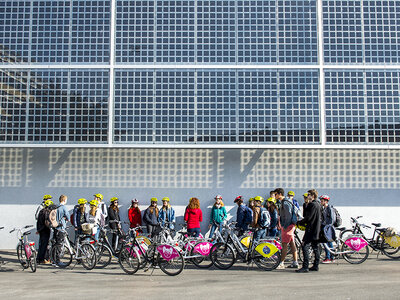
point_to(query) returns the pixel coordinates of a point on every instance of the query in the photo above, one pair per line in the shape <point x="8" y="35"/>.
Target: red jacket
<point x="193" y="217"/>
<point x="135" y="218"/>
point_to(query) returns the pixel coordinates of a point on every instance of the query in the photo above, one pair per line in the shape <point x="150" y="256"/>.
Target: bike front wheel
<point x="32" y="261"/>
<point x="266" y="263"/>
<point x="88" y="256"/>
<point x="104" y="256"/>
<point x="61" y="256"/>
<point x="355" y="257"/>
<point x="223" y="256"/>
<point x="22" y="256"/>
<point x="129" y="260"/>
<point x="173" y="266"/>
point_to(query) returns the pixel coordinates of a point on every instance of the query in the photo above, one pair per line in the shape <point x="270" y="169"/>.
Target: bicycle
<point x="265" y="253"/>
<point x="377" y="242"/>
<point x="26" y="251"/>
<point x="82" y="251"/>
<point x="166" y="256"/>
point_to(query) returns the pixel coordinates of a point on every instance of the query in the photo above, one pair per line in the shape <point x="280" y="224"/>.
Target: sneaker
<point x="302" y="270"/>
<point x="333" y="261"/>
<point x="294" y="265"/>
<point x="314" y="268"/>
<point x="281" y="266"/>
<point x="46" y="262"/>
<point x="327" y="261"/>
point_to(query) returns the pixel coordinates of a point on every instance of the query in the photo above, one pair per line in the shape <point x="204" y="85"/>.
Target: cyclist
<point x="114" y="219"/>
<point x="193" y="217"/>
<point x="103" y="207"/>
<point x="95" y="217"/>
<point x="62" y="219"/>
<point x="251" y="203"/>
<point x="218" y="215"/>
<point x="273" y="212"/>
<point x="44" y="233"/>
<point x="151" y="217"/>
<point x="260" y="233"/>
<point x="167" y="213"/>
<point x="312" y="222"/>
<point x="79" y="216"/>
<point x="328" y="219"/>
<point x="288" y="221"/>
<point x="42" y="205"/>
<point x="134" y="214"/>
<point x="241" y="222"/>
<point x="271" y="195"/>
<point x="290" y="196"/>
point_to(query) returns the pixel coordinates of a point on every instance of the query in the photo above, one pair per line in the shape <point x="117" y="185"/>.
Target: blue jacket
<point x="77" y="217"/>
<point x="328" y="218"/>
<point x="285" y="213"/>
<point x="167" y="216"/>
<point x="218" y="215"/>
<point x="241" y="217"/>
<point x="62" y="216"/>
<point x="274" y="219"/>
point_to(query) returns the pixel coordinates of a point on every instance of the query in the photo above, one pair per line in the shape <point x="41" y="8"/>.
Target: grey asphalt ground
<point x="377" y="278"/>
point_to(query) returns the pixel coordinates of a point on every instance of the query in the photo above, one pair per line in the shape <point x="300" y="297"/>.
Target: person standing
<point x="273" y="212"/>
<point x="312" y="222"/>
<point x="288" y="219"/>
<point x="62" y="219"/>
<point x="151" y="217"/>
<point x="218" y="215"/>
<point x="114" y="220"/>
<point x="134" y="214"/>
<point x="42" y="205"/>
<point x="167" y="214"/>
<point x="95" y="217"/>
<point x="44" y="233"/>
<point x="193" y="217"/>
<point x="79" y="216"/>
<point x="103" y="208"/>
<point x="257" y="209"/>
<point x="242" y="223"/>
<point x="327" y="228"/>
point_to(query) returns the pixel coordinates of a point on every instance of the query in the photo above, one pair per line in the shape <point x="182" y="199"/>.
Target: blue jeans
<point x="272" y="232"/>
<point x="327" y="253"/>
<point x="259" y="234"/>
<point x="194" y="232"/>
<point x="212" y="230"/>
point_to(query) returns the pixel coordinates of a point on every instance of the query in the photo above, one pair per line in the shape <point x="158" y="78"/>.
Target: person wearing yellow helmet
<point x="42" y="205"/>
<point x="251" y="202"/>
<point x="79" y="216"/>
<point x="44" y="231"/>
<point x="167" y="213"/>
<point x="103" y="207"/>
<point x="290" y="196"/>
<point x="273" y="212"/>
<point x="114" y="221"/>
<point x="258" y="209"/>
<point x="95" y="217"/>
<point x="150" y="216"/>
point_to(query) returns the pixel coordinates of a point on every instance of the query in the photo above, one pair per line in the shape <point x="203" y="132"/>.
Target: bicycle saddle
<point x="27" y="233"/>
<point x="376" y="224"/>
<point x="341" y="228"/>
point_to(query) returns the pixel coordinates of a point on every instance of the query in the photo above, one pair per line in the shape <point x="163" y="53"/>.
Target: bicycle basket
<point x="393" y="241"/>
<point x="87" y="228"/>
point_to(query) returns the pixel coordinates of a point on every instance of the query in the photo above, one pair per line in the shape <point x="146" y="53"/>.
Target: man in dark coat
<point x="312" y="221"/>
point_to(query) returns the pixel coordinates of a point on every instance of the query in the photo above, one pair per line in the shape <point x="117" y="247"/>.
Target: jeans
<point x="327" y="253"/>
<point x="44" y="237"/>
<point x="273" y="232"/>
<point x="259" y="234"/>
<point x="153" y="230"/>
<point x="213" y="227"/>
<point x="306" y="252"/>
<point x="194" y="232"/>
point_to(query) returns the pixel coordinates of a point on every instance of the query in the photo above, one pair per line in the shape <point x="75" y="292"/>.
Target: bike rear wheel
<point x="129" y="260"/>
<point x="200" y="261"/>
<point x="61" y="256"/>
<point x="22" y="256"/>
<point x="104" y="256"/>
<point x="355" y="257"/>
<point x="173" y="266"/>
<point x="266" y="263"/>
<point x="223" y="256"/>
<point x="388" y="250"/>
<point x="88" y="256"/>
<point x="32" y="261"/>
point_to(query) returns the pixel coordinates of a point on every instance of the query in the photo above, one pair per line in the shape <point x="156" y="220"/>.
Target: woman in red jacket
<point x="193" y="217"/>
<point x="134" y="214"/>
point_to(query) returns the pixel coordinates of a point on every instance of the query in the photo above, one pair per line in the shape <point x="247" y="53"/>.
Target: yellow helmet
<point x="99" y="196"/>
<point x="301" y="227"/>
<point x="48" y="202"/>
<point x="273" y="200"/>
<point x="113" y="199"/>
<point x="47" y="197"/>
<point x="94" y="203"/>
<point x="165" y="199"/>
<point x="291" y="193"/>
<point x="305" y="195"/>
<point x="251" y="199"/>
<point x="82" y="201"/>
<point x="154" y="199"/>
<point x="259" y="198"/>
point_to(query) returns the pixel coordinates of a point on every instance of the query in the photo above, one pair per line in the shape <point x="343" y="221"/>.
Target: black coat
<point x="113" y="215"/>
<point x="312" y="221"/>
<point x="40" y="224"/>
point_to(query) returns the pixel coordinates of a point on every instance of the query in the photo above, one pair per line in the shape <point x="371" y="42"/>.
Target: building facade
<point x="198" y="98"/>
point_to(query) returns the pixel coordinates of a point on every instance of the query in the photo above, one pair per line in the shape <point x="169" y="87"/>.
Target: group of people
<point x="279" y="215"/>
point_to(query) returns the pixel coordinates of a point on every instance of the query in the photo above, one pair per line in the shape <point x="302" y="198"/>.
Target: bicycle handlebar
<point x="25" y="227"/>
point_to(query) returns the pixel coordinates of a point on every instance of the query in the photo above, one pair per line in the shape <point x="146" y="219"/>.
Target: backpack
<point x="248" y="215"/>
<point x="51" y="217"/>
<point x="338" y="221"/>
<point x="265" y="219"/>
<point x="295" y="212"/>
